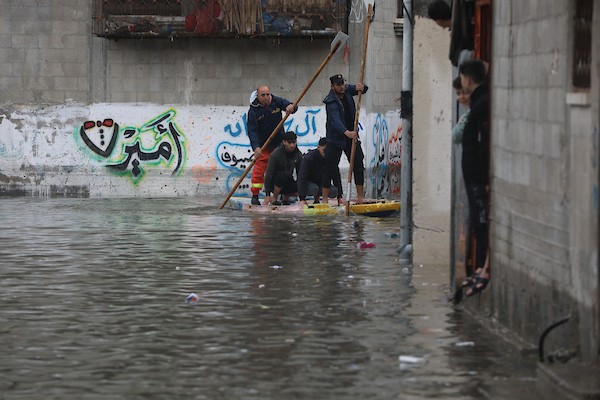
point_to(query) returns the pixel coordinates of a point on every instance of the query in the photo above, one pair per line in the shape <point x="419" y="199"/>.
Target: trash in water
<point x="276" y="267"/>
<point x="464" y="344"/>
<point x="192" y="298"/>
<point x="407" y="362"/>
<point x="410" y="359"/>
<point x="365" y="245"/>
<point x="392" y="234"/>
<point x="261" y="286"/>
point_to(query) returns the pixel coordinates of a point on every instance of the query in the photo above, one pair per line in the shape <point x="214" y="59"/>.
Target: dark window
<point x="582" y="46"/>
<point x="219" y="18"/>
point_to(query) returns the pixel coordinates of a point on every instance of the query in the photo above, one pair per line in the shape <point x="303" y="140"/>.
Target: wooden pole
<point x="278" y="127"/>
<point x="362" y="77"/>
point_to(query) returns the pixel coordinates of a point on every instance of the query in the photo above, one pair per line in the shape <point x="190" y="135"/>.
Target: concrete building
<point x="545" y="100"/>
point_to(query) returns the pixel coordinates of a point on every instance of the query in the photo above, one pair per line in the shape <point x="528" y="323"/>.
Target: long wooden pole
<point x="280" y="124"/>
<point x="362" y="76"/>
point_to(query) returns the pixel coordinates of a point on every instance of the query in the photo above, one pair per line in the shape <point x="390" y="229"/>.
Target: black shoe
<point x="285" y="203"/>
<point x="276" y="203"/>
<point x="255" y="201"/>
<point x="317" y="202"/>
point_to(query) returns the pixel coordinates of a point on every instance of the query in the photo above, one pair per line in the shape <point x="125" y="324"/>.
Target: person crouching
<point x="282" y="171"/>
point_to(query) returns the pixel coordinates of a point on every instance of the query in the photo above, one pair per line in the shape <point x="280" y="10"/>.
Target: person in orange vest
<point x="263" y="117"/>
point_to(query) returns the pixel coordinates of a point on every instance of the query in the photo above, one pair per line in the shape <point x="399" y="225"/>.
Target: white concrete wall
<point x="432" y="122"/>
<point x="194" y="150"/>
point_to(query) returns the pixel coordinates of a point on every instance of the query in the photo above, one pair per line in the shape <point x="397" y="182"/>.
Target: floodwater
<point x="93" y="306"/>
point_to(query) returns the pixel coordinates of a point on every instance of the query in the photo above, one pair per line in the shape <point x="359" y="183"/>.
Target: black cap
<point x="323" y="141"/>
<point x="335" y="79"/>
<point x="289" y="136"/>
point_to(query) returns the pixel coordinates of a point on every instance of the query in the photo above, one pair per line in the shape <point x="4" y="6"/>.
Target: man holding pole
<point x="263" y="117"/>
<point x="341" y="112"/>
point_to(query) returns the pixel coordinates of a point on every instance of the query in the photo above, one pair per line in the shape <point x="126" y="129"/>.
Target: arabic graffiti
<point x="309" y="124"/>
<point x="234" y="155"/>
<point x="158" y="142"/>
<point x="238" y="127"/>
<point x="356" y="14"/>
<point x="395" y="160"/>
<point x="385" y="159"/>
<point x="380" y="176"/>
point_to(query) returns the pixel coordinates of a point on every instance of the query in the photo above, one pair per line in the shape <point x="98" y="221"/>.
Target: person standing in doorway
<point x="341" y="112"/>
<point x="463" y="99"/>
<point x="476" y="167"/>
<point x="264" y="115"/>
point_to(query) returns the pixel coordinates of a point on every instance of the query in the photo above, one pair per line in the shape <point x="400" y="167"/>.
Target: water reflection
<point x="92" y="306"/>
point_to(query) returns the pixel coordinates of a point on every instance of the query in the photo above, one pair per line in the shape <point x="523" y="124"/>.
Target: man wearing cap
<point x="341" y="111"/>
<point x="310" y="177"/>
<point x="282" y="170"/>
<point x="264" y="115"/>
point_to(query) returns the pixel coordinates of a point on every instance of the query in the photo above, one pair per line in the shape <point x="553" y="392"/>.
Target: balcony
<point x="218" y="19"/>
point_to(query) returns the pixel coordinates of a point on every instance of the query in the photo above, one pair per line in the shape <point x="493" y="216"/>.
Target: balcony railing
<point x="222" y="18"/>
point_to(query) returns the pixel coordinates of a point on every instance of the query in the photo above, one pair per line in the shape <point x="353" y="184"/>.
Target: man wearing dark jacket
<point x="263" y="117"/>
<point x="282" y="170"/>
<point x="310" y="178"/>
<point x="341" y="112"/>
<point x="476" y="166"/>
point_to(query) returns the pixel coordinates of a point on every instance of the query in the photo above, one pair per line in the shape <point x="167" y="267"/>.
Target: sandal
<point x="478" y="285"/>
<point x="470" y="280"/>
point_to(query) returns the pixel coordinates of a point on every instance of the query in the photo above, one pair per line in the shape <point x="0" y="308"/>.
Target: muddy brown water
<point x="92" y="306"/>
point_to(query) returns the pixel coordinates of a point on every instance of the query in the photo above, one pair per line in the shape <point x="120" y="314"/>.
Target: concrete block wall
<point x="383" y="60"/>
<point x="44" y="51"/>
<point x="215" y="71"/>
<point x="432" y="147"/>
<point x="48" y="55"/>
<point x="543" y="212"/>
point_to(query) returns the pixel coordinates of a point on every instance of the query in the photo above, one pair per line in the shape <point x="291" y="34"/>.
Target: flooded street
<point x="93" y="306"/>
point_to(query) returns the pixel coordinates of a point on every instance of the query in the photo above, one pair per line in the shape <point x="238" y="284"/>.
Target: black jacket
<point x="476" y="139"/>
<point x="263" y="120"/>
<point x="340" y="115"/>
<point x="311" y="170"/>
<point x="281" y="161"/>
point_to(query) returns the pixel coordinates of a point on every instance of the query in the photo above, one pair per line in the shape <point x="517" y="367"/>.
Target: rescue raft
<point x="370" y="208"/>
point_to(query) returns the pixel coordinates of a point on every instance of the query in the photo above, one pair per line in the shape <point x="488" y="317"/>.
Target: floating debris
<point x="192" y="298"/>
<point x="365" y="245"/>
<point x="465" y="344"/>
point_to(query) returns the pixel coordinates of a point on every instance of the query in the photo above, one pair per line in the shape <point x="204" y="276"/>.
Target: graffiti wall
<point x="149" y="150"/>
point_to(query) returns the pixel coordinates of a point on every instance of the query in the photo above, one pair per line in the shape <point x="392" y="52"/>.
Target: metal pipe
<point x="406" y="218"/>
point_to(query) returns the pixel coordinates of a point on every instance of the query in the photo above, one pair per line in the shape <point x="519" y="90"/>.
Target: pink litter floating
<point x="365" y="245"/>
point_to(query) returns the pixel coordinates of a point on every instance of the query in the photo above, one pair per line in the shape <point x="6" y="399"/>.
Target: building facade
<point x="134" y="104"/>
<point x="544" y="204"/>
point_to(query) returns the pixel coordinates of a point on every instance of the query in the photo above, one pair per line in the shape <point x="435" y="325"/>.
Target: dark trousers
<point x="312" y="189"/>
<point x="332" y="169"/>
<point x="286" y="182"/>
<point x="478" y="219"/>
